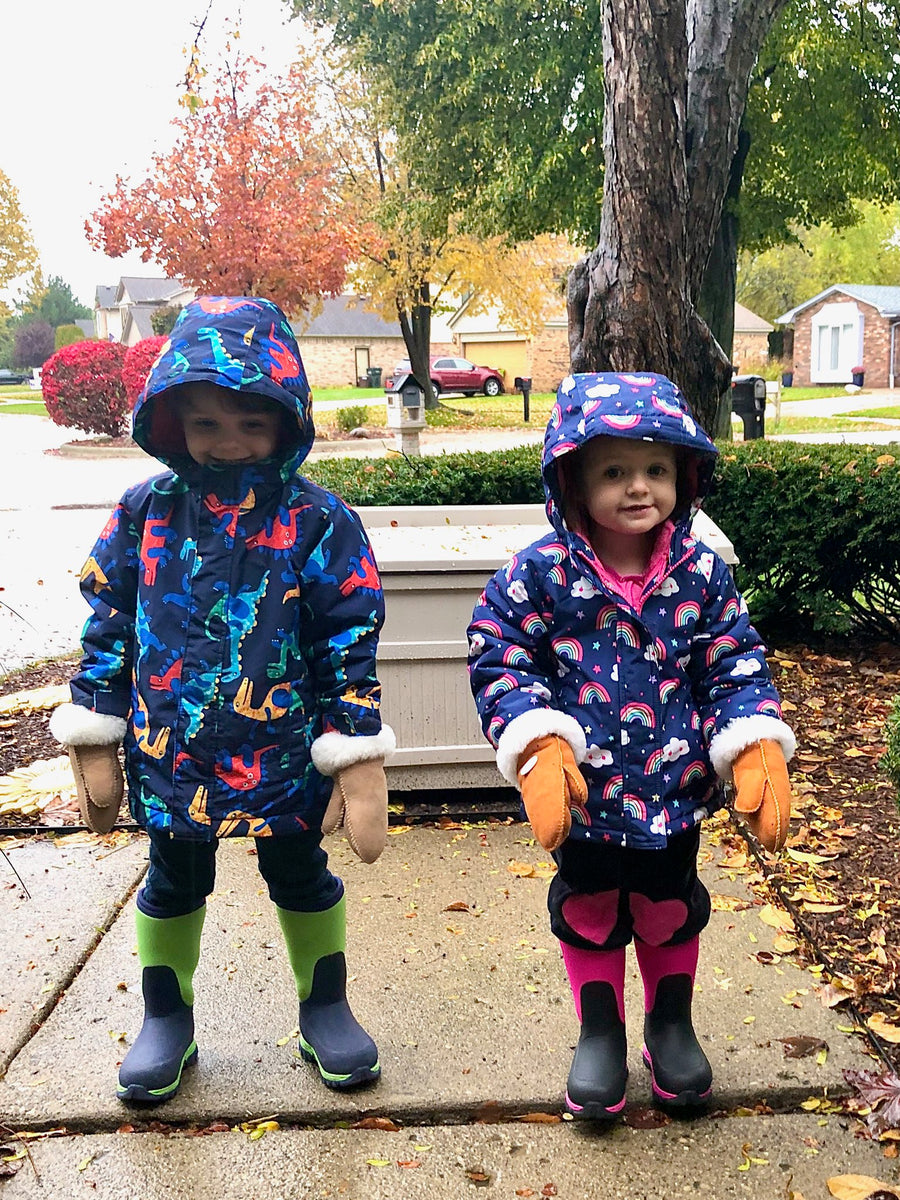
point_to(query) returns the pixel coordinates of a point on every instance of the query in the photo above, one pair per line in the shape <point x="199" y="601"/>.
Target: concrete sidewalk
<point x="455" y="973"/>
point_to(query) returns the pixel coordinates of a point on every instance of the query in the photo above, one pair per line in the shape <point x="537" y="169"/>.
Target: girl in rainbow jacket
<point x="618" y="676"/>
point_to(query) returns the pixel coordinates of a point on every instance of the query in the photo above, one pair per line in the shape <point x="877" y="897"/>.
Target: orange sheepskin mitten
<point x="763" y="792"/>
<point x="550" y="781"/>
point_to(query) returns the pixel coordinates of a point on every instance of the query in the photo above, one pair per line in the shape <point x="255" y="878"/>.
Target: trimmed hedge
<point x="816" y="528"/>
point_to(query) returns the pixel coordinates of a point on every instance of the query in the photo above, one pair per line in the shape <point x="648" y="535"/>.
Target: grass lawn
<point x="33" y="409"/>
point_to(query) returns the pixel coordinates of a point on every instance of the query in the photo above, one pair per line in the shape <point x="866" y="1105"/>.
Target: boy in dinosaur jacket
<point x="236" y="608"/>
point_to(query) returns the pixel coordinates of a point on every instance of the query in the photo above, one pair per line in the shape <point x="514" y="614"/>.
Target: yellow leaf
<point x="777" y="918"/>
<point x="521" y="869"/>
<point x="857" y="1187"/>
<point x="86" y="1162"/>
<point x="378" y="1162"/>
<point x="814" y="906"/>
<point x="880" y="1025"/>
<point x="34" y="699"/>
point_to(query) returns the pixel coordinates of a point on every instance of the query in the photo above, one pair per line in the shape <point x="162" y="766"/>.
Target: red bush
<point x="83" y="388"/>
<point x="138" y="361"/>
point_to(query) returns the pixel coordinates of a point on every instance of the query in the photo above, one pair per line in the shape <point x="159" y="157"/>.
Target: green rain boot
<point x="169" y="950"/>
<point x="330" y="1035"/>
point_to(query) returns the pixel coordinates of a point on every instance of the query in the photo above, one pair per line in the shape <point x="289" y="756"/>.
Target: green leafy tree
<point x="67" y="335"/>
<point x="772" y="281"/>
<point x="162" y="320"/>
<point x="54" y="303"/>
<point x="701" y="120"/>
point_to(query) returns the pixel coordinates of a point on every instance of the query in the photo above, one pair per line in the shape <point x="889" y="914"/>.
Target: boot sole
<point x="358" y="1078"/>
<point x="676" y="1101"/>
<point x="591" y="1111"/>
<point x="136" y="1093"/>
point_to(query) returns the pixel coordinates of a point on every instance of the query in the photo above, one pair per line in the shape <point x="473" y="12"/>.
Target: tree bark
<point x="675" y="87"/>
<point x="415" y="325"/>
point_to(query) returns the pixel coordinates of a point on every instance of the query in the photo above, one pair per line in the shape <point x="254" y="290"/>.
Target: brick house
<point x="750" y="347"/>
<point x="344" y="340"/>
<point x="846" y="326"/>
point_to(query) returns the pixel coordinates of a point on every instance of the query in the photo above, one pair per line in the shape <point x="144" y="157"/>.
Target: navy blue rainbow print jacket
<point x="657" y="698"/>
<point x="235" y="611"/>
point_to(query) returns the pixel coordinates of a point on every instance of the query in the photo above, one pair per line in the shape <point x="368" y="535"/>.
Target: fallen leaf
<point x="776" y="918"/>
<point x="860" y="1187"/>
<point x="802" y="1046"/>
<point x="457" y="906"/>
<point x="383" y="1123"/>
<point x="883" y="1028"/>
<point x="520" y="869"/>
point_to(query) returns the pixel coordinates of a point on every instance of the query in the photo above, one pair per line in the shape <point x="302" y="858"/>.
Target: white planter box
<point x="434" y="563"/>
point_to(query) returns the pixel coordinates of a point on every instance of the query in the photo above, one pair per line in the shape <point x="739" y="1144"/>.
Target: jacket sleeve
<point x="342" y="616"/>
<point x="511" y="669"/>
<point x="109" y="583"/>
<point x="738" y="703"/>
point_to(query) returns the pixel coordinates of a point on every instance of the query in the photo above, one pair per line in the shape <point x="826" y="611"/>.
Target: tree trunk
<point x="675" y="86"/>
<point x="415" y="325"/>
<point x="719" y="285"/>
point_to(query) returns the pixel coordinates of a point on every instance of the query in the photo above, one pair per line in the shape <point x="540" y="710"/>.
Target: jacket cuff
<point x="74" y="725"/>
<point x="333" y="751"/>
<point x="521" y="731"/>
<point x="742" y="732"/>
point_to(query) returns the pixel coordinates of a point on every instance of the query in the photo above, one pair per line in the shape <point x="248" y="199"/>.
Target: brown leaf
<point x="457" y="906"/>
<point x="540" y="1118"/>
<point x="802" y="1046"/>
<point x="383" y="1123"/>
<point x="881" y="1092"/>
<point x="645" y="1118"/>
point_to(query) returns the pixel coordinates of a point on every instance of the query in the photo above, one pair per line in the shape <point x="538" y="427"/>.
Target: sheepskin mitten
<point x="763" y="792"/>
<point x="359" y="802"/>
<point x="359" y="798"/>
<point x="550" y="782"/>
<point x="92" y="740"/>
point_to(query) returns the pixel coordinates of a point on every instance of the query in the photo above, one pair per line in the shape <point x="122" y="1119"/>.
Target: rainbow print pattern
<point x="637" y="676"/>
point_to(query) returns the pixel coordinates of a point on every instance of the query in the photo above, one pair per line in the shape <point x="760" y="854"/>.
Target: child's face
<point x="628" y="486"/>
<point x="216" y="434"/>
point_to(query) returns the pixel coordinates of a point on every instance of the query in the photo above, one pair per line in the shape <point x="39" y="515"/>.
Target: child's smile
<point x="216" y="435"/>
<point x="629" y="486"/>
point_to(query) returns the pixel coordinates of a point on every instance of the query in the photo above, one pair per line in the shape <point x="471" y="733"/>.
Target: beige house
<point x="122" y="312"/>
<point x="847" y="326"/>
<point x="750" y="348"/>
<point x="345" y="339"/>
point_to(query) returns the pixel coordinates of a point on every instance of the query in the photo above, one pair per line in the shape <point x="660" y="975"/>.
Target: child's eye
<point x="657" y="469"/>
<point x="612" y="473"/>
<point x="203" y="423"/>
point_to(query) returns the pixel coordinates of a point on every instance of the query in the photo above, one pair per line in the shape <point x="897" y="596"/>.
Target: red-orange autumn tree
<point x="246" y="200"/>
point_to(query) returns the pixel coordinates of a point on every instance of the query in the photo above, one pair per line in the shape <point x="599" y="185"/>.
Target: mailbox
<point x="748" y="401"/>
<point x="406" y="411"/>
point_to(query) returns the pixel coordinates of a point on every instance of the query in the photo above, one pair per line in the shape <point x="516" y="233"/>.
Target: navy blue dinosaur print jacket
<point x="656" y="698"/>
<point x="236" y="610"/>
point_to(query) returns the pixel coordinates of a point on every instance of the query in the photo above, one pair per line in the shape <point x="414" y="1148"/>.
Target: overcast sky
<point x="88" y="91"/>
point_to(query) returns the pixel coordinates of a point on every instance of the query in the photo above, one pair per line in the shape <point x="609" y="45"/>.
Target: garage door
<point x="510" y="357"/>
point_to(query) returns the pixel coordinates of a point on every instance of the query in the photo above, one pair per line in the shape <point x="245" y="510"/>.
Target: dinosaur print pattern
<point x="222" y="625"/>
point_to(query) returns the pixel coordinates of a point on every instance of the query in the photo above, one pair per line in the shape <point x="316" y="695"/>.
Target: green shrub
<point x="817" y="532"/>
<point x="481" y="477"/>
<point x="67" y="335"/>
<point x="816" y="528"/>
<point x="352" y="417"/>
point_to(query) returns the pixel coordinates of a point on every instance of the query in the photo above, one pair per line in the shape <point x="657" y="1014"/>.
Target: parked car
<point x="457" y="375"/>
<point x="8" y="376"/>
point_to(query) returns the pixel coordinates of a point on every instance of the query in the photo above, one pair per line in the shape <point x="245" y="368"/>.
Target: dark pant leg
<point x="669" y="905"/>
<point x="295" y="868"/>
<point x="180" y="876"/>
<point x="604" y="895"/>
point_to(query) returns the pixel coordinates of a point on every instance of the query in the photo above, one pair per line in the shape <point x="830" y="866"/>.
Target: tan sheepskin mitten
<point x="359" y="802"/>
<point x="92" y="741"/>
<point x="550" y="782"/>
<point x="763" y="792"/>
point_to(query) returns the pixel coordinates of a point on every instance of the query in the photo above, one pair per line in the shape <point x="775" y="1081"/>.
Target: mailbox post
<point x="406" y="412"/>
<point x="523" y="384"/>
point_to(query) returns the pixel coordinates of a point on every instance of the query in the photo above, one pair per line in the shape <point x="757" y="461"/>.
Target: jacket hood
<point x="639" y="406"/>
<point x="239" y="342"/>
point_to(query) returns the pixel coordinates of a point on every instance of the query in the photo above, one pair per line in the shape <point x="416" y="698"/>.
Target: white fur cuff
<point x="742" y="732"/>
<point x="332" y="751"/>
<point x="537" y="722"/>
<point x="75" y="725"/>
